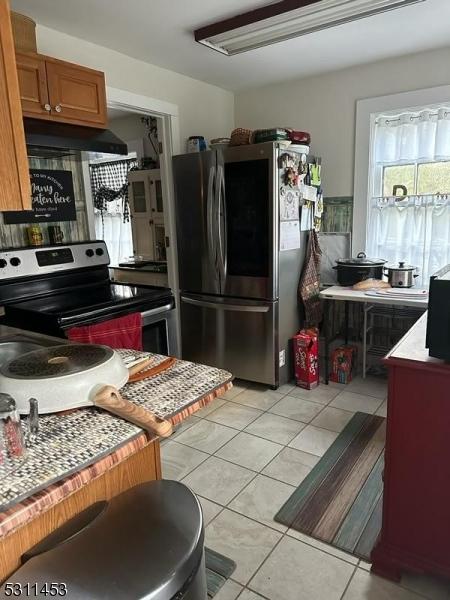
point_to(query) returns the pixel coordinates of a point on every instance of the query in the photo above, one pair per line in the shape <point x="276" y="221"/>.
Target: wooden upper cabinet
<point x="15" y="191"/>
<point x="77" y="94"/>
<point x="33" y="85"/>
<point x="56" y="90"/>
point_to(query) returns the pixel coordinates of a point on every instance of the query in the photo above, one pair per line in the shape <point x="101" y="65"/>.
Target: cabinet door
<point x="160" y="241"/>
<point x="143" y="238"/>
<point x="157" y="204"/>
<point x="15" y="192"/>
<point x="77" y="94"/>
<point x="139" y="196"/>
<point x="141" y="215"/>
<point x="33" y="85"/>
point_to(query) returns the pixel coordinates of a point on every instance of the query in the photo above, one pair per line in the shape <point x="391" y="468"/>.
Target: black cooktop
<point x="87" y="305"/>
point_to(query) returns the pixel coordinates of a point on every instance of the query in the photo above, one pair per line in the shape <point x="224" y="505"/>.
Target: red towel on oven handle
<point x="122" y="332"/>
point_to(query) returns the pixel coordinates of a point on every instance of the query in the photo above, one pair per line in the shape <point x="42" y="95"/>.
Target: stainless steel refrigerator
<point x="238" y="292"/>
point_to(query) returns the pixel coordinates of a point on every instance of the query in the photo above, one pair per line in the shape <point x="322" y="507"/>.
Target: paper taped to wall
<point x="307" y="217"/>
<point x="289" y="235"/>
<point x="309" y="193"/>
<point x="289" y="204"/>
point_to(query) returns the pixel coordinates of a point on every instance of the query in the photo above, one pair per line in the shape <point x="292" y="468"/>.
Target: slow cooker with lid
<point x="401" y="275"/>
<point x="354" y="270"/>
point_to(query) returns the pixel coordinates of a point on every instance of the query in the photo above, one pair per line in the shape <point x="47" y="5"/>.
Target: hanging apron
<point x="309" y="285"/>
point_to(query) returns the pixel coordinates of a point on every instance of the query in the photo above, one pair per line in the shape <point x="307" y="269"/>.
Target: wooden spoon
<point x="140" y="366"/>
<point x="141" y="374"/>
<point x="109" y="399"/>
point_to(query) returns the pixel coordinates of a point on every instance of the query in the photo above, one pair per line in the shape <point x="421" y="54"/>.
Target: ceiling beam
<point x="250" y="17"/>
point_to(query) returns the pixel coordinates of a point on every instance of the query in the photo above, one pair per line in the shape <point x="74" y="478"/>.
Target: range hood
<point x="47" y="139"/>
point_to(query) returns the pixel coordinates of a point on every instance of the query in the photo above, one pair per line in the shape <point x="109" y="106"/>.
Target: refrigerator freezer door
<point x="197" y="222"/>
<point x="237" y="335"/>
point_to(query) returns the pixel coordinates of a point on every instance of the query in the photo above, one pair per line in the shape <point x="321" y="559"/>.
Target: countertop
<point x="145" y="269"/>
<point x="74" y="448"/>
<point x="412" y="348"/>
<point x="337" y="292"/>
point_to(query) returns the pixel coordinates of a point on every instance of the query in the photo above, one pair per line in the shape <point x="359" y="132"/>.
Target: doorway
<point x="125" y="106"/>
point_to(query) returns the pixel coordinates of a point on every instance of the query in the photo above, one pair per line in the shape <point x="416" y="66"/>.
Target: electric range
<point x="50" y="289"/>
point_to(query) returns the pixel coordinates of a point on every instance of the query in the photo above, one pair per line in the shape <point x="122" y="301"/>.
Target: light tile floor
<point x="243" y="456"/>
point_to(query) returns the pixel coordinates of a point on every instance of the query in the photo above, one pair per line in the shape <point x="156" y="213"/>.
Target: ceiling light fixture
<point x="288" y="19"/>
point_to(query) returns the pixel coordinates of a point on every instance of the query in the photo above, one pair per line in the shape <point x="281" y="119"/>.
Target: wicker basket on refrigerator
<point x="241" y="137"/>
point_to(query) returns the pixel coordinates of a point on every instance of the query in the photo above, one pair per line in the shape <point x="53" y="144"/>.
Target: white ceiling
<point x="160" y="32"/>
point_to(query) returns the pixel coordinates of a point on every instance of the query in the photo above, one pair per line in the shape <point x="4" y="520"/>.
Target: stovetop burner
<point x="44" y="291"/>
<point x="84" y="305"/>
<point x="83" y="298"/>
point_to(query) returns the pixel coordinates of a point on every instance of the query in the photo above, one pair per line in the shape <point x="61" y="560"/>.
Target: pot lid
<point x="361" y="261"/>
<point x="400" y="266"/>
<point x="57" y="361"/>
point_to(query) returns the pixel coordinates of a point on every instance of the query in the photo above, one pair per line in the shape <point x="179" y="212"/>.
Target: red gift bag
<point x="343" y="362"/>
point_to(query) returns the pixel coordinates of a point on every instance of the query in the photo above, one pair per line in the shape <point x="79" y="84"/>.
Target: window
<point x="109" y="183"/>
<point x="419" y="178"/>
<point x="433" y="178"/>
<point x="402" y="175"/>
<point x="409" y="189"/>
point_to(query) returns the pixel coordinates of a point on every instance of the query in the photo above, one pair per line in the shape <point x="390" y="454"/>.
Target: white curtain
<point x="413" y="137"/>
<point x="115" y="232"/>
<point x="109" y="182"/>
<point x="415" y="229"/>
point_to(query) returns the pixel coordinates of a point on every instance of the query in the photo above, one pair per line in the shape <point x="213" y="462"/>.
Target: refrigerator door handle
<point x="218" y="210"/>
<point x="210" y="219"/>
<point x="223" y="204"/>
<point x="253" y="308"/>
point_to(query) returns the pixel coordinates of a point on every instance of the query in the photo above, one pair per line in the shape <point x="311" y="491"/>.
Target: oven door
<point x="158" y="330"/>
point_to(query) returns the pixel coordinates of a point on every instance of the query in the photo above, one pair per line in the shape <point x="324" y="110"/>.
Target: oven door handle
<point x="157" y="311"/>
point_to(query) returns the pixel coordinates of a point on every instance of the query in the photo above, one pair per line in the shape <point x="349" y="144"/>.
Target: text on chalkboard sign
<point x="52" y="199"/>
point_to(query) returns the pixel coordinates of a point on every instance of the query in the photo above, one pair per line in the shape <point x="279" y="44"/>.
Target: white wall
<point x="130" y="128"/>
<point x="325" y="106"/>
<point x="203" y="109"/>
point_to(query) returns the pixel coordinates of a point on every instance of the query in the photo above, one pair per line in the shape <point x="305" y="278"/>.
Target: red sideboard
<point x="415" y="534"/>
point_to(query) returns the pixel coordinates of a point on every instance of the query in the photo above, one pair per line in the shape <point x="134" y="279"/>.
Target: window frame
<point x="366" y="113"/>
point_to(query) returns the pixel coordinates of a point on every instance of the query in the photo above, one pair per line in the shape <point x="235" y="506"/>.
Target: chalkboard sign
<point x="52" y="199"/>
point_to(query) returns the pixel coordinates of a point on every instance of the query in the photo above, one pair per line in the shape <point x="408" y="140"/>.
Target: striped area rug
<point x="218" y="569"/>
<point x="340" y="501"/>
